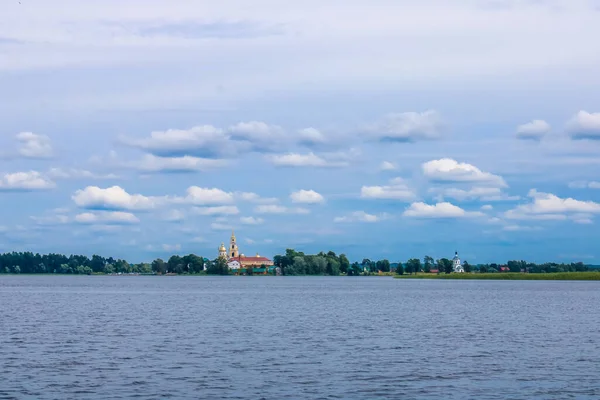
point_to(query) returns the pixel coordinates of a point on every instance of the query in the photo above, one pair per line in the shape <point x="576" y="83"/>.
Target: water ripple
<point x="297" y="338"/>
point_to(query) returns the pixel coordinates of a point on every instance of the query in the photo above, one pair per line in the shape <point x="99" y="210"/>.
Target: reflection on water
<point x="89" y="337"/>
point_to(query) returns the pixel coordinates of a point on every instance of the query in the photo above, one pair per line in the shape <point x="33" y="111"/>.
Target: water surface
<point x="90" y="337"/>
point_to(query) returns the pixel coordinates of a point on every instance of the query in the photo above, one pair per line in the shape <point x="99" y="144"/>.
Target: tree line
<point x="290" y="263"/>
<point x="444" y="265"/>
<point x="30" y="263"/>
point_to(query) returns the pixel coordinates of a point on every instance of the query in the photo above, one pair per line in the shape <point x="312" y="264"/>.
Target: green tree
<point x="344" y="263"/>
<point x="333" y="266"/>
<point x="354" y="269"/>
<point x="298" y="266"/>
<point x="193" y="264"/>
<point x="428" y="263"/>
<point x="467" y="267"/>
<point x="445" y="265"/>
<point x="218" y="267"/>
<point x="97" y="263"/>
<point x="383" y="265"/>
<point x="144" y="268"/>
<point x="159" y="266"/>
<point x="122" y="266"/>
<point x="400" y="269"/>
<point x="175" y="264"/>
<point x="316" y="265"/>
<point x="414" y="264"/>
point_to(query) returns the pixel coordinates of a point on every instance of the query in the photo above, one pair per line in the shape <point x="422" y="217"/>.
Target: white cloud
<point x="75" y="173"/>
<point x="487" y="207"/>
<point x="219" y="226"/>
<point x="107" y="217"/>
<point x="171" y="247"/>
<point x="520" y="228"/>
<point x="206" y="196"/>
<point x="57" y="219"/>
<point x="307" y="197"/>
<point x="449" y="170"/>
<point x="207" y="141"/>
<point x="174" y="216"/>
<point x="451" y="45"/>
<point x="547" y="206"/>
<point x="359" y="216"/>
<point x="517" y="215"/>
<point x="481" y="193"/>
<point x="201" y="141"/>
<point x="584" y="185"/>
<point x="397" y="190"/>
<point x="251" y="221"/>
<point x="584" y="125"/>
<point x="438" y="210"/>
<point x="152" y="163"/>
<point x="264" y="137"/>
<point x="217" y="210"/>
<point x="254" y="198"/>
<point x="407" y="127"/>
<point x="278" y="209"/>
<point x="34" y="146"/>
<point x="310" y="136"/>
<point x="25" y="181"/>
<point x="113" y="198"/>
<point x="582" y="218"/>
<point x="533" y="130"/>
<point x="304" y="160"/>
<point x="387" y="166"/>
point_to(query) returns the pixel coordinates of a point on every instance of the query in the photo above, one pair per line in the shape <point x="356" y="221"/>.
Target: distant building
<point x="222" y="251"/>
<point x="239" y="263"/>
<point x="456" y="265"/>
<point x="234" y="265"/>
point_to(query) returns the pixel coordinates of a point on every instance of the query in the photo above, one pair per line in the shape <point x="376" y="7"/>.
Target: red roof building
<point x="255" y="261"/>
<point x="232" y="255"/>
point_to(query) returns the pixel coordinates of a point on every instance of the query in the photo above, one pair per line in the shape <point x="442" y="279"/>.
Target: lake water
<point x="90" y="337"/>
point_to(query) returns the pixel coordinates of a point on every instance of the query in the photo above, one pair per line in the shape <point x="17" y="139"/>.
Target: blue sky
<point x="382" y="129"/>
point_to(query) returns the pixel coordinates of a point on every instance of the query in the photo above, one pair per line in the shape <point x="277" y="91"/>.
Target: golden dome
<point x="222" y="248"/>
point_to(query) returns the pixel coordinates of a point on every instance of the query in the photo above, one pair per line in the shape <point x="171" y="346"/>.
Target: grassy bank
<point x="559" y="276"/>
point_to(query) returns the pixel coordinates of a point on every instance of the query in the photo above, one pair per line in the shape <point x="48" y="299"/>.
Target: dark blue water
<point x="297" y="338"/>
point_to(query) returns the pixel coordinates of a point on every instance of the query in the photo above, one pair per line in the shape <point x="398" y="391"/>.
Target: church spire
<point x="233" y="248"/>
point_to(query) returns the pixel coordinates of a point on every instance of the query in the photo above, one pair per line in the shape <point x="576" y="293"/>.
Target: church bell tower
<point x="233" y="248"/>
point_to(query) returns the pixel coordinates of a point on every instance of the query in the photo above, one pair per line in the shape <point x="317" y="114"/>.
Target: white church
<point x="456" y="265"/>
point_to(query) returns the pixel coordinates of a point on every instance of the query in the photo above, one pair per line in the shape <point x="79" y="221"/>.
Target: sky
<point x="379" y="129"/>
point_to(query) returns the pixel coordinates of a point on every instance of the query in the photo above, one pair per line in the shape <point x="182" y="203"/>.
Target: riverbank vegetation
<point x="558" y="276"/>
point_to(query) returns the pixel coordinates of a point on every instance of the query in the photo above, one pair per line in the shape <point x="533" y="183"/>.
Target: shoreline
<point x="512" y="276"/>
